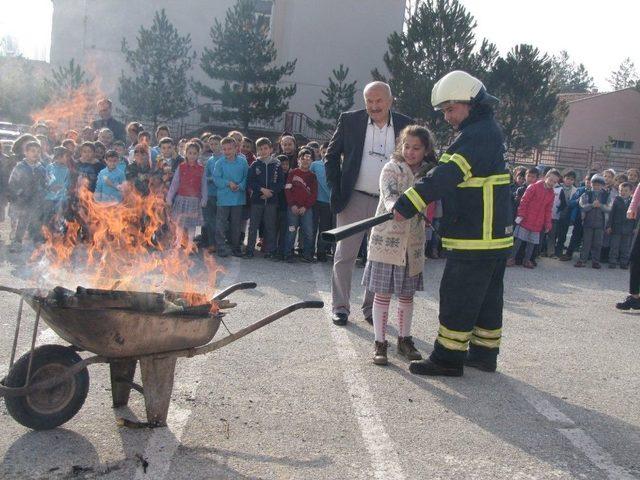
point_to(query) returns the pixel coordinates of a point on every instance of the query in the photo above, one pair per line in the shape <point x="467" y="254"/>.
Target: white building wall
<point x="321" y="34"/>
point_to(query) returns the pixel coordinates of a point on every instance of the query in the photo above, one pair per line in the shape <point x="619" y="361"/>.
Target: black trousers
<point x="471" y="301"/>
<point x="322" y="219"/>
<point x="634" y="271"/>
<point x="561" y="235"/>
<point x="576" y="236"/>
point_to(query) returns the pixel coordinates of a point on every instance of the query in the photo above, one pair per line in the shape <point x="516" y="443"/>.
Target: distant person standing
<point x="107" y="121"/>
<point x="361" y="145"/>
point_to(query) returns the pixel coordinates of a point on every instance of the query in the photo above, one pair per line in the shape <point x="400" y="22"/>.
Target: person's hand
<point x="232" y="185"/>
<point x="108" y="182"/>
<point x="266" y="192"/>
<point x="631" y="215"/>
<point x="294" y="209"/>
<point x="518" y="220"/>
<point x="397" y="216"/>
<point x="609" y="230"/>
<point x="596" y="204"/>
<point x="301" y="211"/>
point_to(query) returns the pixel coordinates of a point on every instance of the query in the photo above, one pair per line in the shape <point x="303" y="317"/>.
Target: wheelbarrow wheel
<point x="49" y="408"/>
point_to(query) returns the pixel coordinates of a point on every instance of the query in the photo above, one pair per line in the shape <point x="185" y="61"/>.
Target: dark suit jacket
<point x="344" y="154"/>
<point x="112" y="124"/>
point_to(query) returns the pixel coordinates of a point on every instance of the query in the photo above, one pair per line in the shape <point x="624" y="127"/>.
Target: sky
<point x="597" y="33"/>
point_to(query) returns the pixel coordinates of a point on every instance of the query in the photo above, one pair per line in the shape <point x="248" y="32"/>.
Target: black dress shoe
<point x="629" y="303"/>
<point x="427" y="367"/>
<point x="480" y="365"/>
<point x="340" y="319"/>
<point x="369" y="319"/>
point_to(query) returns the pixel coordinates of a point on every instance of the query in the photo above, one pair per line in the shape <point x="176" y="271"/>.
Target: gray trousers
<point x="620" y="247"/>
<point x="360" y="206"/>
<point x="591" y="243"/>
<point x="258" y="213"/>
<point x="228" y="218"/>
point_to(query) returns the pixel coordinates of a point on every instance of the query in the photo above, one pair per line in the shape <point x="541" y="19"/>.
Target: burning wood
<point x="130" y="244"/>
<point x="167" y="303"/>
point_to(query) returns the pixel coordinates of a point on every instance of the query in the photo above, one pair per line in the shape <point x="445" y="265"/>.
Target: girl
<point x="534" y="216"/>
<point x="396" y="249"/>
<point x="189" y="190"/>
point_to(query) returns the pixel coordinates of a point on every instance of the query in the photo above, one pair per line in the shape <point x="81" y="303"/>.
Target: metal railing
<point x="576" y="158"/>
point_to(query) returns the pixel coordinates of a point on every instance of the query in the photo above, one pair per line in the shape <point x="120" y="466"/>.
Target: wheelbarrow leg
<point x="157" y="382"/>
<point x="122" y="373"/>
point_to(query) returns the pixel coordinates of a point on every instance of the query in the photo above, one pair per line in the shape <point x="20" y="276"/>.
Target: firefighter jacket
<point x="473" y="183"/>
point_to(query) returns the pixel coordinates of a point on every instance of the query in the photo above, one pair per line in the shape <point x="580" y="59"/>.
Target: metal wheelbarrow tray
<point x="48" y="385"/>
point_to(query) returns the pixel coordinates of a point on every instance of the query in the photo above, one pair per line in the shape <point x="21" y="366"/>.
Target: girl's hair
<point x="422" y="133"/>
<point x="228" y="140"/>
<point x="288" y="135"/>
<point x="134" y="126"/>
<point x="90" y="145"/>
<point x="141" y="148"/>
<point x="621" y="178"/>
<point x="306" y="151"/>
<point x="192" y="145"/>
<point x="71" y="143"/>
<point x="554" y="171"/>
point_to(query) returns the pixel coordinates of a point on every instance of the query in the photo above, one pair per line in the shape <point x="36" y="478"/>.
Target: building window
<point x="621" y="145"/>
<point x="264" y="9"/>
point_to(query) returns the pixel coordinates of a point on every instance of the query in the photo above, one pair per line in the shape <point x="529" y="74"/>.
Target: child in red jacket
<point x="301" y="191"/>
<point x="534" y="216"/>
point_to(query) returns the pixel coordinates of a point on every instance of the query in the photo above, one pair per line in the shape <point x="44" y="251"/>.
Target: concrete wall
<point x="319" y="34"/>
<point x="592" y="121"/>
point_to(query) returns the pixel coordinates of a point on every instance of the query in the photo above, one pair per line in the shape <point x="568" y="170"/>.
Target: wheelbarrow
<point x="48" y="385"/>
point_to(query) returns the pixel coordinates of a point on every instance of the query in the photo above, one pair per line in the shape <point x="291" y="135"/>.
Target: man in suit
<point x="361" y="145"/>
<point x="107" y="121"/>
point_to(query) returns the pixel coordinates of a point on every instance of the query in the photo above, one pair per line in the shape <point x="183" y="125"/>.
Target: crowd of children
<point x="244" y="196"/>
<point x="594" y="213"/>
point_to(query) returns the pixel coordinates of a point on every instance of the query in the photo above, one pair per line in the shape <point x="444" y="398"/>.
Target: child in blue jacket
<point x="265" y="181"/>
<point x="110" y="179"/>
<point x="230" y="178"/>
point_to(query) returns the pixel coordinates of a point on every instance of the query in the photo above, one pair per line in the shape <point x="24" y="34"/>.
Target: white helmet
<point x="460" y="87"/>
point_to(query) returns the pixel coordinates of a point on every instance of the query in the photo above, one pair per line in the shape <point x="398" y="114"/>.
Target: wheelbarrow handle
<point x="210" y="347"/>
<point x="17" y="291"/>
<point x="232" y="288"/>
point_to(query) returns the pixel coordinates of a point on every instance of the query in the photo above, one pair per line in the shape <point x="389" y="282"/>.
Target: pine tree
<point x="439" y="37"/>
<point x="66" y="79"/>
<point x="626" y="76"/>
<point x="242" y="58"/>
<point x="338" y="97"/>
<point x="528" y="111"/>
<point x="159" y="89"/>
<point x="569" y="77"/>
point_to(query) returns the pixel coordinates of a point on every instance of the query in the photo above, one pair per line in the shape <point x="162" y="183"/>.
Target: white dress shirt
<point x="379" y="144"/>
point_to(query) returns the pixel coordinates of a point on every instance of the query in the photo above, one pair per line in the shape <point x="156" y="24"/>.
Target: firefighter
<point x="473" y="182"/>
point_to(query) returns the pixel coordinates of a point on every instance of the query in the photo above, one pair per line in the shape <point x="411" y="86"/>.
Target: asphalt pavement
<point x="301" y="398"/>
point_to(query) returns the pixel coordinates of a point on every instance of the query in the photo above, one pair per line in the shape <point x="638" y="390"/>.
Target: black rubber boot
<point x="427" y="367"/>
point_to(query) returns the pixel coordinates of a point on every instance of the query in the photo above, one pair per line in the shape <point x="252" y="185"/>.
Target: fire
<point x="71" y="110"/>
<point x="127" y="245"/>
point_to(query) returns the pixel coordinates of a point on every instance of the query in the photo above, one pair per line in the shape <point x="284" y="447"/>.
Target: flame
<point x="71" y="110"/>
<point x="127" y="245"/>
